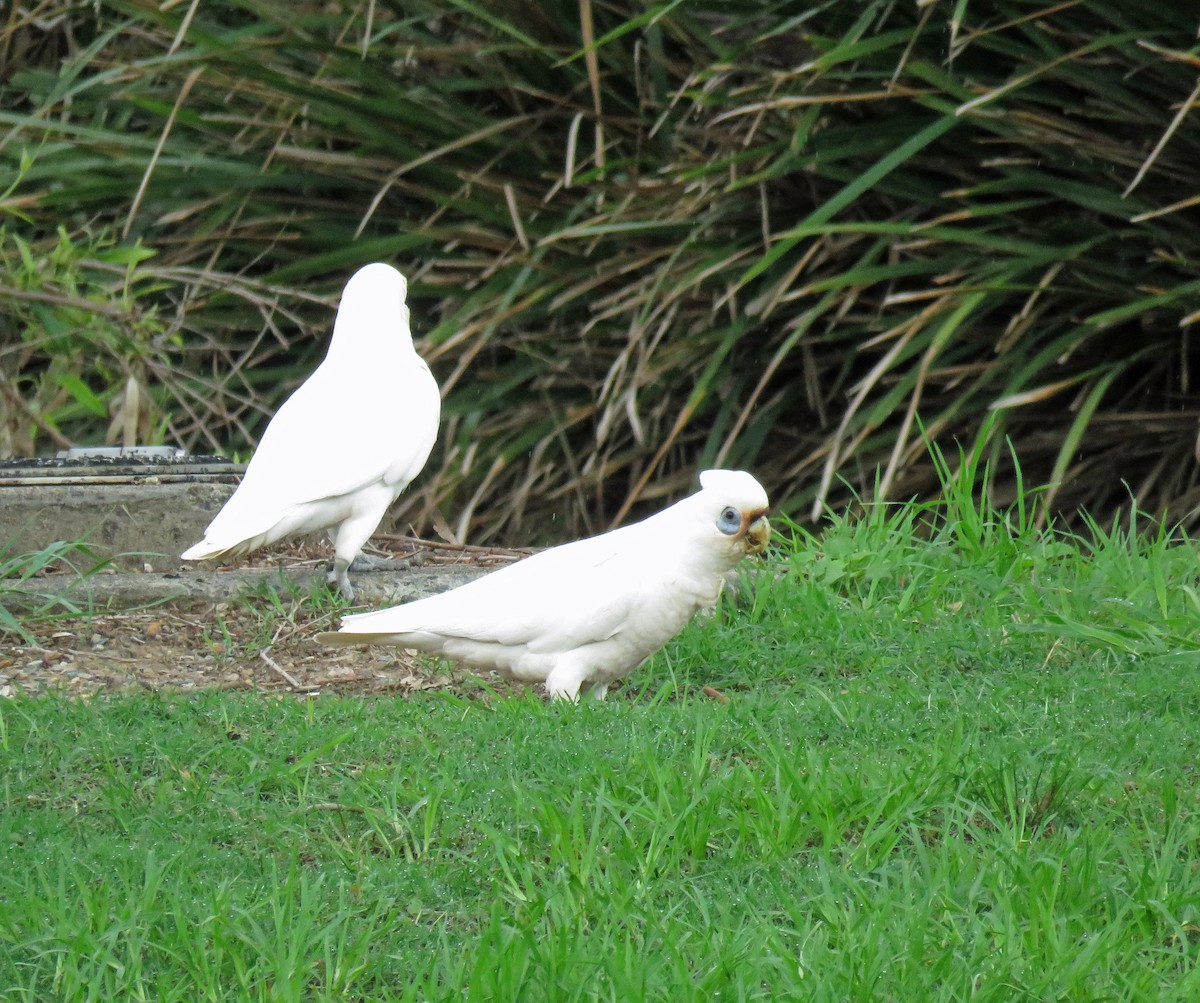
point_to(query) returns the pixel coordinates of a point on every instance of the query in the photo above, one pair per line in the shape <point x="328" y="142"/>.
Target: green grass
<point x="959" y="761"/>
<point x="20" y="607"/>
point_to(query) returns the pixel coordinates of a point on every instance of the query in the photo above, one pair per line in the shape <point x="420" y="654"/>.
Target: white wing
<point x="333" y="436"/>
<point x="309" y="454"/>
<point x="557" y="600"/>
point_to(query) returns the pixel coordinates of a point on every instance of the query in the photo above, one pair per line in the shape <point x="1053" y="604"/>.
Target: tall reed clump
<point x="641" y="240"/>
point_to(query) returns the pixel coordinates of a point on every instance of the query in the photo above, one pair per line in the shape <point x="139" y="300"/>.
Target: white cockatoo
<point x="579" y="616"/>
<point x="346" y="443"/>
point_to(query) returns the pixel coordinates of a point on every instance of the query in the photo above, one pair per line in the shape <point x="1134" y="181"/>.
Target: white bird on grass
<point x="579" y="616"/>
<point x="346" y="443"/>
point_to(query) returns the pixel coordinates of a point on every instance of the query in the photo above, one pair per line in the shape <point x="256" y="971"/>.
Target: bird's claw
<point x="341" y="584"/>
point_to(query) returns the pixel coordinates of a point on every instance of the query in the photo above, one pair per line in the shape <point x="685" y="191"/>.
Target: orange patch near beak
<point x="758" y="534"/>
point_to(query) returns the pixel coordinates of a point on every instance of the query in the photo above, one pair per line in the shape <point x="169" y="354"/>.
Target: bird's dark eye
<point x="730" y="520"/>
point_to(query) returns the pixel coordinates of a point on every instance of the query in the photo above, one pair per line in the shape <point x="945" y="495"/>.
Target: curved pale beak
<point x="758" y="535"/>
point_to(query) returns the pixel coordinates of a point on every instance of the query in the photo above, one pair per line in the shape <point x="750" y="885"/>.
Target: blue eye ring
<point x="729" y="521"/>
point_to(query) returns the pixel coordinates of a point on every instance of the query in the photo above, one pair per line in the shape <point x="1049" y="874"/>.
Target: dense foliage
<point x="640" y="239"/>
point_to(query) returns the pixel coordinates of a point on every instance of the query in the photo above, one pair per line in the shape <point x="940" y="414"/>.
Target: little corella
<point x="346" y="443"/>
<point x="579" y="616"/>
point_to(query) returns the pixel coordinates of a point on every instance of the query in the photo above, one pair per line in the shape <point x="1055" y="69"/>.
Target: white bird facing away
<point x="579" y="616"/>
<point x="346" y="443"/>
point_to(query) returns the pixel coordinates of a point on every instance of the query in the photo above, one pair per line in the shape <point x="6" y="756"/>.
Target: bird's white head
<point x="372" y="315"/>
<point x="730" y="515"/>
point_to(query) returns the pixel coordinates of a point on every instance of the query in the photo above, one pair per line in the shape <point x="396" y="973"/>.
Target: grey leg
<point x="339" y="578"/>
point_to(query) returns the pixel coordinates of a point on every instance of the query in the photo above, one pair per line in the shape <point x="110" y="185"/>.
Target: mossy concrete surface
<point x="141" y="526"/>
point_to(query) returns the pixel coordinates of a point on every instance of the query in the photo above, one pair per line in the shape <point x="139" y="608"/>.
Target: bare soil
<point x="245" y="642"/>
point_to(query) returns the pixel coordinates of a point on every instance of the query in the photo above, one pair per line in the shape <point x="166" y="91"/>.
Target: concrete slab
<point x="139" y="512"/>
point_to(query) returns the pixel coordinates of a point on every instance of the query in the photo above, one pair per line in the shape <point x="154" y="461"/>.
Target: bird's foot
<point x="340" y="582"/>
<point x="371" y="562"/>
